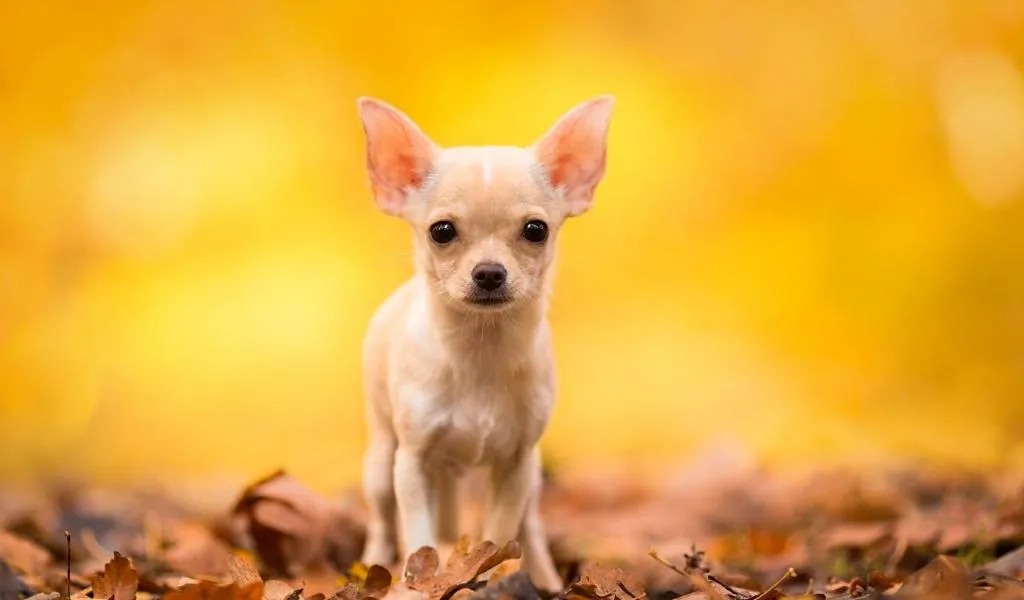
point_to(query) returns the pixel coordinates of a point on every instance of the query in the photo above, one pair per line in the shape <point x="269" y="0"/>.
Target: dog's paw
<point x="378" y="552"/>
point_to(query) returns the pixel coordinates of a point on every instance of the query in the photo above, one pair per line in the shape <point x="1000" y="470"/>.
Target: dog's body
<point x="458" y="362"/>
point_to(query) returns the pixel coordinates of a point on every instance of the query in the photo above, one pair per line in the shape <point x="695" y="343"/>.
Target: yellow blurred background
<point x="810" y="238"/>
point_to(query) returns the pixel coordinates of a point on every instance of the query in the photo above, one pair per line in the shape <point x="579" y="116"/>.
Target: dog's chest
<point x="483" y="423"/>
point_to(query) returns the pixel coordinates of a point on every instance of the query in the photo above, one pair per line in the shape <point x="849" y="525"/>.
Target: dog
<point x="458" y="364"/>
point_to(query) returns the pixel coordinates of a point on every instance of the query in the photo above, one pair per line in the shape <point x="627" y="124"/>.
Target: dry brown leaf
<point x="350" y="591"/>
<point x="195" y="550"/>
<point x="378" y="581"/>
<point x="372" y="586"/>
<point x="207" y="590"/>
<point x="401" y="591"/>
<point x="295" y="530"/>
<point x="242" y="570"/>
<point x="119" y="580"/>
<point x="881" y="582"/>
<point x="516" y="586"/>
<point x="279" y="590"/>
<point x="22" y="554"/>
<point x="506" y="569"/>
<point x="944" y="577"/>
<point x="1011" y="563"/>
<point x="602" y="582"/>
<point x="462" y="567"/>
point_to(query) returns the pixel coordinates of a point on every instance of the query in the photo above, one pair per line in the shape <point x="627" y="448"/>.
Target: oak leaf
<point x="461" y="569"/>
<point x="119" y="580"/>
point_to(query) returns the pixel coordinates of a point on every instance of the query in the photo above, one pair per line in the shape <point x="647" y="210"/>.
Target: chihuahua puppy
<point x="458" y="361"/>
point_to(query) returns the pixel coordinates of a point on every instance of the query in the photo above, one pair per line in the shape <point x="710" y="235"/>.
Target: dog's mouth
<point x="489" y="300"/>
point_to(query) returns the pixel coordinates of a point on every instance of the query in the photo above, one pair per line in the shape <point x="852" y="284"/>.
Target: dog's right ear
<point x="398" y="154"/>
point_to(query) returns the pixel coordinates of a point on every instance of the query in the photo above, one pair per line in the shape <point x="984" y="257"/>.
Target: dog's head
<point x="485" y="218"/>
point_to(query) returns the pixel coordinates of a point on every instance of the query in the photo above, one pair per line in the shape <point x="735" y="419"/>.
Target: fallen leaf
<point x="983" y="579"/>
<point x="349" y="591"/>
<point x="401" y="591"/>
<point x="207" y="590"/>
<point x="22" y="554"/>
<point x="461" y="569"/>
<point x="377" y="581"/>
<point x="365" y="584"/>
<point x="279" y="590"/>
<point x="602" y="582"/>
<point x="195" y="550"/>
<point x="516" y="586"/>
<point x="294" y="529"/>
<point x="118" y="581"/>
<point x="944" y="577"/>
<point x="242" y="571"/>
<point x="881" y="581"/>
<point x="1011" y="563"/>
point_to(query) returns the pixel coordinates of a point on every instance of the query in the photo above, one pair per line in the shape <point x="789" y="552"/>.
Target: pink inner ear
<point x="573" y="152"/>
<point x="574" y="161"/>
<point x="398" y="154"/>
<point x="398" y="170"/>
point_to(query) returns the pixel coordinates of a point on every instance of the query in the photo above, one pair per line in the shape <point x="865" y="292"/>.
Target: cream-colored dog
<point x="458" y="361"/>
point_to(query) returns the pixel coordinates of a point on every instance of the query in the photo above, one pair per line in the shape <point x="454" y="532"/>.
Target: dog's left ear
<point x="573" y="152"/>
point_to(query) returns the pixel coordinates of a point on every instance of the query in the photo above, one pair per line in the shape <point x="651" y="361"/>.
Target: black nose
<point x="489" y="276"/>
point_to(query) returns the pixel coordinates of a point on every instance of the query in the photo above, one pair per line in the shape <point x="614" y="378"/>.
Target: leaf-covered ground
<point x="722" y="530"/>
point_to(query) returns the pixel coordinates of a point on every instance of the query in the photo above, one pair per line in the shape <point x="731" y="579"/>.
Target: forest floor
<point x="723" y="529"/>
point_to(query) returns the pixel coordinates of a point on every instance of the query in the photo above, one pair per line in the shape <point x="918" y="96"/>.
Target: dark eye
<point x="535" y="231"/>
<point x="443" y="232"/>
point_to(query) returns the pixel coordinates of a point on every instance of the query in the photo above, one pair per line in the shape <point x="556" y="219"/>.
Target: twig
<point x="725" y="585"/>
<point x="787" y="575"/>
<point x="67" y="536"/>
<point x="654" y="554"/>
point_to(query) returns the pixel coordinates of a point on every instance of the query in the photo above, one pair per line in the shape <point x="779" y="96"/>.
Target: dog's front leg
<point x="511" y="485"/>
<point x="413" y="494"/>
<point x="446" y="509"/>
